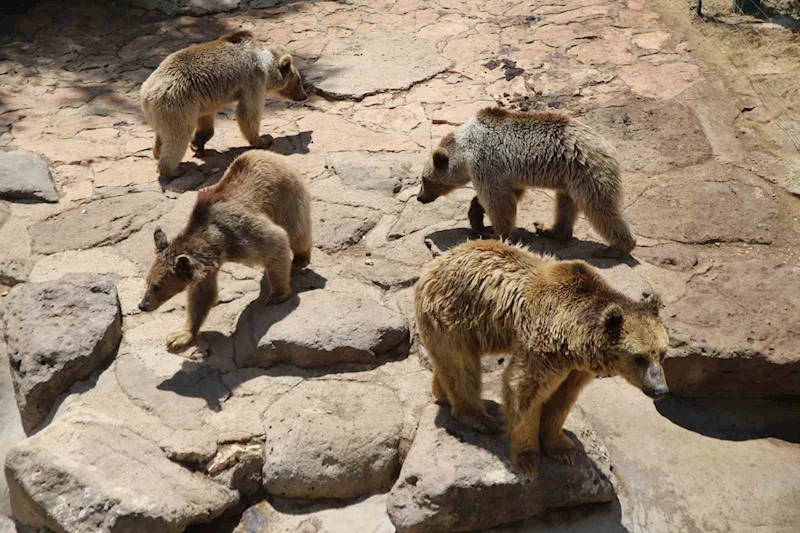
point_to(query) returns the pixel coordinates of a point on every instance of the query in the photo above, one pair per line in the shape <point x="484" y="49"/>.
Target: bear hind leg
<point x="205" y="130"/>
<point x="566" y="215"/>
<point x="458" y="380"/>
<point x="173" y="148"/>
<point x="609" y="222"/>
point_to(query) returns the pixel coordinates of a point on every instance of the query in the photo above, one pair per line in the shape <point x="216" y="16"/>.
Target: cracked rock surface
<point x="322" y="401"/>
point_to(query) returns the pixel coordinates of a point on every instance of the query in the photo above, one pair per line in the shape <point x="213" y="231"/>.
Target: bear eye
<point x="641" y="361"/>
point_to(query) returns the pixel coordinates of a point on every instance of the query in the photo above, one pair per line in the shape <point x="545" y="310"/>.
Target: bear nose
<point x="659" y="393"/>
<point x="142" y="307"/>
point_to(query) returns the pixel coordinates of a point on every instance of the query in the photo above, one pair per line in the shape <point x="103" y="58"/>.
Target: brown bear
<point x="188" y="88"/>
<point x="560" y="321"/>
<point x="504" y="152"/>
<point x="259" y="214"/>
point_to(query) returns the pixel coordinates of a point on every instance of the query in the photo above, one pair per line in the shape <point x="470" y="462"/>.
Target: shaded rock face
<point x="25" y="177"/>
<point x="332" y="439"/>
<point x="202" y="7"/>
<point x="89" y="477"/>
<point x="455" y="479"/>
<point x="366" y="64"/>
<point x="320" y="328"/>
<point x="57" y="333"/>
<point x="736" y="331"/>
<point x="97" y="223"/>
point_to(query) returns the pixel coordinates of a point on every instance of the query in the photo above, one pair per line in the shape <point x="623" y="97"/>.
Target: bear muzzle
<point x="654" y="383"/>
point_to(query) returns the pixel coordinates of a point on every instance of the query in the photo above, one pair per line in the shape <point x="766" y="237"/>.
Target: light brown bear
<point x="560" y="321"/>
<point x="259" y="215"/>
<point x="504" y="152"/>
<point x="188" y="88"/>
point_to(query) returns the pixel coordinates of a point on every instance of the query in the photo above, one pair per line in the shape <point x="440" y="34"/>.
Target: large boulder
<point x="88" y="477"/>
<point x="455" y="479"/>
<point x="332" y="439"/>
<point x="320" y="328"/>
<point x="365" y="64"/>
<point x="25" y="177"/>
<point x="735" y="332"/>
<point x="58" y="332"/>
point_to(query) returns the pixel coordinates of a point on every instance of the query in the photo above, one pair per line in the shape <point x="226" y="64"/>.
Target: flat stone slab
<point x="90" y="477"/>
<point x="320" y="328"/>
<point x="736" y="332"/>
<point x="383" y="175"/>
<point x="366" y="514"/>
<point x="332" y="439"/>
<point x="651" y="135"/>
<point x="339" y="226"/>
<point x="105" y="221"/>
<point x="370" y="63"/>
<point x="57" y="333"/>
<point x="455" y="479"/>
<point x="709" y="212"/>
<point x="25" y="177"/>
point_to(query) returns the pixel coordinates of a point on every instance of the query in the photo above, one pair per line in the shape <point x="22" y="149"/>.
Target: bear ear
<point x="612" y="321"/>
<point x="183" y="267"/>
<point x="285" y="63"/>
<point x="161" y="240"/>
<point x="440" y="159"/>
<point x="653" y="303"/>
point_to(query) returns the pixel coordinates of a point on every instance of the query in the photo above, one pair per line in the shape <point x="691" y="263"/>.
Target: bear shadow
<point x="443" y="240"/>
<point x="195" y="176"/>
<point x="735" y="419"/>
<point x="200" y="378"/>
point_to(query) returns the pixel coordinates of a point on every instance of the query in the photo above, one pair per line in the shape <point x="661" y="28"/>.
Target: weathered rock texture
<point x="320" y="328"/>
<point x="332" y="439"/>
<point x="57" y="333"/>
<point x="366" y="64"/>
<point x="25" y="177"/>
<point x="736" y="332"/>
<point x="88" y="477"/>
<point x="202" y="7"/>
<point x="97" y="223"/>
<point x="455" y="479"/>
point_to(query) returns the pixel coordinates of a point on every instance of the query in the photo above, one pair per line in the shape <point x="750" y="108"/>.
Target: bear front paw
<point x="179" y="339"/>
<point x="526" y="463"/>
<point x="276" y="298"/>
<point x="563" y="451"/>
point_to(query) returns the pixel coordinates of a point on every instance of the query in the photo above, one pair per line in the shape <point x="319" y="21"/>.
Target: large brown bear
<point x="560" y="321"/>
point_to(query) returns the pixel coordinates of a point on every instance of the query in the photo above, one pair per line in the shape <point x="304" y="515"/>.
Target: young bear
<point x="259" y="215"/>
<point x="504" y="152"/>
<point x="562" y="324"/>
<point x="188" y="88"/>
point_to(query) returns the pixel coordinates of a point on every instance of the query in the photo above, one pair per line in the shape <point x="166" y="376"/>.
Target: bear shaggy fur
<point x="560" y="321"/>
<point x="259" y="215"/>
<point x="504" y="152"/>
<point x="188" y="88"/>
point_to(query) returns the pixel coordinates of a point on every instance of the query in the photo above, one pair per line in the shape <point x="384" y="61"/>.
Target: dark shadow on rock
<point x="735" y="419"/>
<point x="193" y="176"/>
<point x="443" y="240"/>
<point x="196" y="380"/>
<point x="586" y="518"/>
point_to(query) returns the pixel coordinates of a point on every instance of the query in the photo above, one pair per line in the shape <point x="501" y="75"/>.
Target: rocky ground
<point x="316" y="415"/>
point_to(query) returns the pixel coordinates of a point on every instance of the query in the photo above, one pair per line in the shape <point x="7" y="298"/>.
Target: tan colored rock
<point x="455" y="115"/>
<point x="58" y="333"/>
<point x="320" y="328"/>
<point x="735" y="332"/>
<point x="332" y="439"/>
<point x="455" y="479"/>
<point x="403" y="118"/>
<point x="580" y="14"/>
<point x="653" y="40"/>
<point x="442" y="30"/>
<point x="600" y="51"/>
<point x="369" y="63"/>
<point x="89" y="477"/>
<point x="105" y="221"/>
<point x="330" y="133"/>
<point x="659" y="81"/>
<point x="472" y="48"/>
